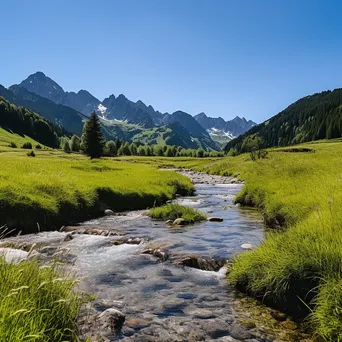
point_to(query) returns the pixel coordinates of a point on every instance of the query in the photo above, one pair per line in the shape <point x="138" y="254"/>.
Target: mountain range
<point x="122" y="118"/>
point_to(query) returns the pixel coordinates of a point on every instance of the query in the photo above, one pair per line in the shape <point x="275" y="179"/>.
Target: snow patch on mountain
<point x="102" y="109"/>
<point x="218" y="134"/>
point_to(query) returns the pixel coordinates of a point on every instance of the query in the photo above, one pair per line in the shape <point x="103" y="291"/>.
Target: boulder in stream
<point x="180" y="222"/>
<point x="158" y="253"/>
<point x="13" y="256"/>
<point x="202" y="263"/>
<point x="111" y="321"/>
<point x="108" y="212"/>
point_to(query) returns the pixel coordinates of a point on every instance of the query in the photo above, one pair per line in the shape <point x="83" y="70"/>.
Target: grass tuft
<point x="174" y="211"/>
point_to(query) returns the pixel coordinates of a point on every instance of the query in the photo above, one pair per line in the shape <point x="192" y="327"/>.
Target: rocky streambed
<point x="156" y="283"/>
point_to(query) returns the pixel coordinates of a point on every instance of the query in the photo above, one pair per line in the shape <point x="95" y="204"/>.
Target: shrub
<point x="13" y="145"/>
<point x="31" y="154"/>
<point x="232" y="152"/>
<point x="262" y="154"/>
<point x="27" y="145"/>
<point x="110" y="148"/>
<point x="38" y="147"/>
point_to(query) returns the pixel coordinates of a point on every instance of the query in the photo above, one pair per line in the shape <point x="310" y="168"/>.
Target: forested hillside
<point x="23" y="121"/>
<point x="314" y="117"/>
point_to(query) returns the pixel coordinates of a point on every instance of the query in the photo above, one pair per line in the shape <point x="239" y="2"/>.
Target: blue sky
<point x="249" y="58"/>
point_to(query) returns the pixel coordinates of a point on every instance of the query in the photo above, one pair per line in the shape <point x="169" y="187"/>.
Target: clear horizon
<point x="224" y="58"/>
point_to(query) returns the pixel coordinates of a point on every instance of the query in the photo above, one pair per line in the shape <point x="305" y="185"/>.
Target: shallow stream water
<point x="173" y="303"/>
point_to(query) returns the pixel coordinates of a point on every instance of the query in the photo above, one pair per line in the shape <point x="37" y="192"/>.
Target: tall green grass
<point x="299" y="268"/>
<point x="55" y="188"/>
<point x="174" y="211"/>
<point x="38" y="303"/>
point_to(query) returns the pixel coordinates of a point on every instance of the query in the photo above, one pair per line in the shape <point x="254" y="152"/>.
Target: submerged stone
<point x="215" y="219"/>
<point x="206" y="264"/>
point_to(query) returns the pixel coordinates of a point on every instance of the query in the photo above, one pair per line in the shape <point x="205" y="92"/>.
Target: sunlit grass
<point x="6" y="138"/>
<point x="303" y="192"/>
<point x="54" y="188"/>
<point x="37" y="303"/>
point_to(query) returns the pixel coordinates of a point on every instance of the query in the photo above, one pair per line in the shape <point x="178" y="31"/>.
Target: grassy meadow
<point x="298" y="266"/>
<point x="55" y="188"/>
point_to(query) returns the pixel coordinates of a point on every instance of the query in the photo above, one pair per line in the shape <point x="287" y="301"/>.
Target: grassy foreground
<point x="299" y="267"/>
<point x="37" y="303"/>
<point x="55" y="188"/>
<point x="174" y="211"/>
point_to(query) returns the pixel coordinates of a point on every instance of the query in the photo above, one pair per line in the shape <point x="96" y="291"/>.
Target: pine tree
<point x="75" y="143"/>
<point x="133" y="149"/>
<point x="93" y="140"/>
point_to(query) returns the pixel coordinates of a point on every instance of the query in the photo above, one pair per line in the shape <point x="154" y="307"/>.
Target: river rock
<point x="169" y="222"/>
<point x="216" y="328"/>
<point x="137" y="323"/>
<point x="68" y="237"/>
<point x="13" y="256"/>
<point x="158" y="253"/>
<point x="180" y="222"/>
<point x="201" y="313"/>
<point x="279" y="316"/>
<point x="49" y="250"/>
<point x="135" y="241"/>
<point x="100" y="232"/>
<point x="206" y="264"/>
<point x="215" y="219"/>
<point x="239" y="332"/>
<point x="247" y="246"/>
<point x="111" y="320"/>
<point x="108" y="212"/>
<point x="129" y="241"/>
<point x="289" y="325"/>
<point x="69" y="229"/>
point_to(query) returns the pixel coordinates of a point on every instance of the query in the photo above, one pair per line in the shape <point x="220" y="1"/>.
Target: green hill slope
<point x="314" y="117"/>
<point x="24" y="122"/>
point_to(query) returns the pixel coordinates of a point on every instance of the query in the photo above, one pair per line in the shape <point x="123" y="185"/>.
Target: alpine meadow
<point x="171" y="171"/>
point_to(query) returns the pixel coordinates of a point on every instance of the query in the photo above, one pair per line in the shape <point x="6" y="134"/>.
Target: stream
<point x="161" y="299"/>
